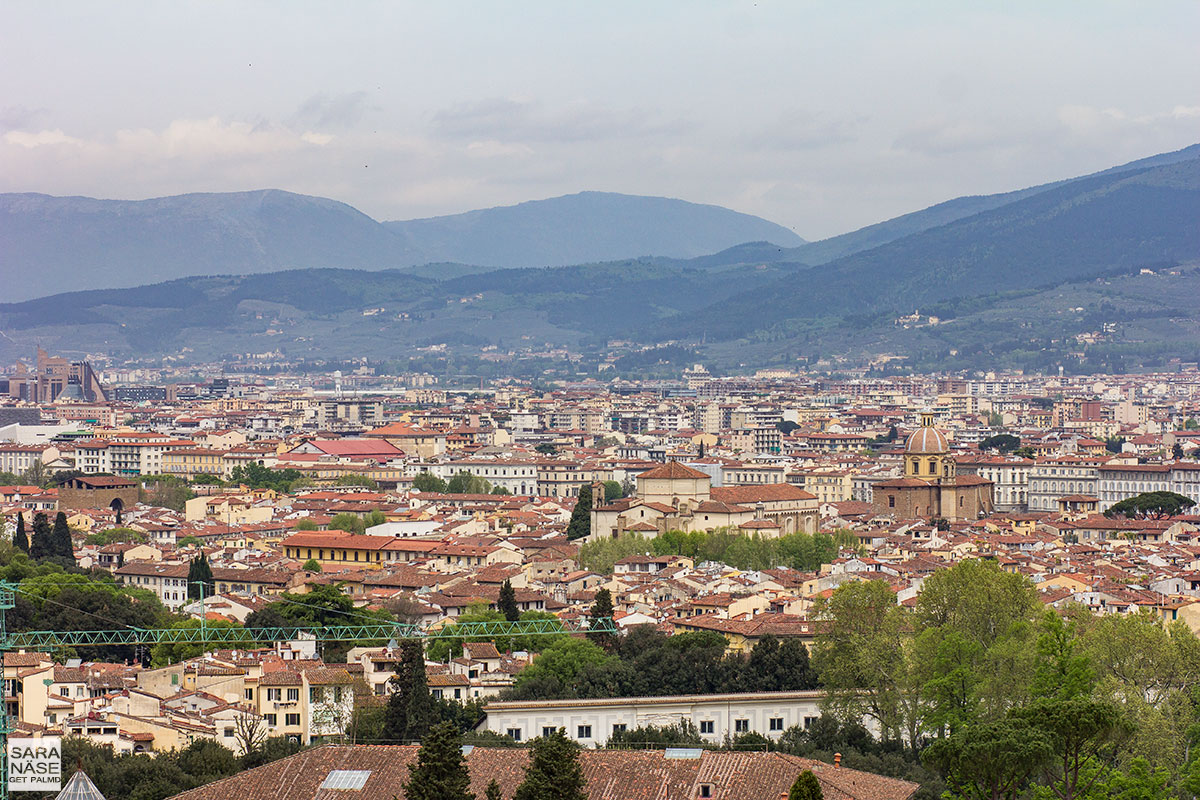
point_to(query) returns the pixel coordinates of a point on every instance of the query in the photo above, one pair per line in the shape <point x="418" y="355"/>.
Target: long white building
<point x="593" y="722"/>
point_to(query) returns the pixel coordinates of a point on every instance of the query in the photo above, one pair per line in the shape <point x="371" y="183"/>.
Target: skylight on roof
<point x="352" y="779"/>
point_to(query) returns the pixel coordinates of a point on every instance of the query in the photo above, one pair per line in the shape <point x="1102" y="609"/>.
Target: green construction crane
<point x="238" y="637"/>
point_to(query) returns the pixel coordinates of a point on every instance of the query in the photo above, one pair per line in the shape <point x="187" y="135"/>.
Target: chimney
<point x="837" y="760"/>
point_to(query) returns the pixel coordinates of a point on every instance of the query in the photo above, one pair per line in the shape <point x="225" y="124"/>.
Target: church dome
<point x="926" y="440"/>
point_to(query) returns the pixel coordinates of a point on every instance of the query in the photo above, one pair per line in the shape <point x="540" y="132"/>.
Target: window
<point x="809" y="722"/>
<point x="706" y="726"/>
<point x="776" y="723"/>
<point x="291" y="719"/>
<point x="548" y="730"/>
<point x="618" y="727"/>
<point x="583" y="732"/>
<point x="312" y="694"/>
<point x="274" y="695"/>
<point x="891" y="501"/>
<point x="514" y="734"/>
<point x="293" y="695"/>
<point x="271" y="719"/>
<point x="706" y="790"/>
<point x="741" y="725"/>
<point x="229" y="733"/>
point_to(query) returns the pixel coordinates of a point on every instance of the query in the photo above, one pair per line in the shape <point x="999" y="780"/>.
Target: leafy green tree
<point x="115" y="535"/>
<point x="563" y="661"/>
<point x="356" y="480"/>
<point x="440" y="772"/>
<point x="273" y="749"/>
<point x="200" y="575"/>
<point x="312" y="565"/>
<point x="410" y="710"/>
<point x="990" y="760"/>
<point x="547" y="449"/>
<point x="554" y="772"/>
<point x="427" y="482"/>
<point x="373" y="518"/>
<point x="500" y="490"/>
<point x="305" y="525"/>
<point x="613" y="491"/>
<point x="1150" y="505"/>
<point x="581" y="517"/>
<point x="806" y="787"/>
<point x="350" y="523"/>
<point x="507" y="603"/>
<point x="493" y="791"/>
<point x="866" y="660"/>
<point x="162" y="655"/>
<point x="189" y="541"/>
<point x="1002" y="442"/>
<point x="467" y="483"/>
<point x="20" y="540"/>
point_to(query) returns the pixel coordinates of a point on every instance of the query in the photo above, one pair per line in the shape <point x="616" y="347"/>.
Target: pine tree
<point x="60" y="540"/>
<point x="554" y="772"/>
<point x="581" y="518"/>
<point x="39" y="542"/>
<point x="507" y="603"/>
<point x="199" y="572"/>
<point x="441" y="769"/>
<point x="602" y="608"/>
<point x="806" y="787"/>
<point x="20" y="540"/>
<point x="410" y="710"/>
<point x="493" y="791"/>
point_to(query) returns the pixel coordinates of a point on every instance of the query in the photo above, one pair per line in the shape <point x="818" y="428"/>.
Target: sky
<point x="820" y="116"/>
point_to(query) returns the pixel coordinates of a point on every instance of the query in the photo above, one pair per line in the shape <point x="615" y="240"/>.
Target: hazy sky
<point x="820" y="116"/>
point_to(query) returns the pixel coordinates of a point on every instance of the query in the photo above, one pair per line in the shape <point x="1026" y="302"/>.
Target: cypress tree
<point x="410" y="710"/>
<point x="60" y="540"/>
<point x="581" y="518"/>
<point x="199" y="572"/>
<point x="554" y="772"/>
<point x="493" y="791"/>
<point x="508" y="602"/>
<point x="602" y="608"/>
<point x="20" y="540"/>
<point x="441" y="769"/>
<point x="806" y="787"/>
<point x="39" y="542"/>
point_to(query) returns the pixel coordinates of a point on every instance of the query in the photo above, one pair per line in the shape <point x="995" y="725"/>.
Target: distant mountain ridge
<point x="585" y="227"/>
<point x="1012" y="279"/>
<point x="53" y="244"/>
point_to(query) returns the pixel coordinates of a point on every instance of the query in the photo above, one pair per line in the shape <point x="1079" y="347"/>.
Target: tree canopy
<point x="1150" y="505"/>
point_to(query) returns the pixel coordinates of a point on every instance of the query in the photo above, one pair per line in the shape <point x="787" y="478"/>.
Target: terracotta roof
<point x="764" y="492"/>
<point x="674" y="471"/>
<point x="610" y="775"/>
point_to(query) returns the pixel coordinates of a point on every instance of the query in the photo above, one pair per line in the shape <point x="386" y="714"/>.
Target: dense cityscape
<point x="735" y="530"/>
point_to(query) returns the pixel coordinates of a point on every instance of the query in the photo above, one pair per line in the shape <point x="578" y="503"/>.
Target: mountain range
<point x="54" y="244"/>
<point x="1097" y="272"/>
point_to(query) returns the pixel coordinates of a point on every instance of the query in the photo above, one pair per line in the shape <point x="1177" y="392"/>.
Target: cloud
<point x="33" y="139"/>
<point x="801" y="129"/>
<point x="324" y="111"/>
<point x="941" y="136"/>
<point x="525" y="120"/>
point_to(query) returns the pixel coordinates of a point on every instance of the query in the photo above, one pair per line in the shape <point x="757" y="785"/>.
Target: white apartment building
<point x="1055" y="478"/>
<point x="593" y="722"/>
<point x="518" y="477"/>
